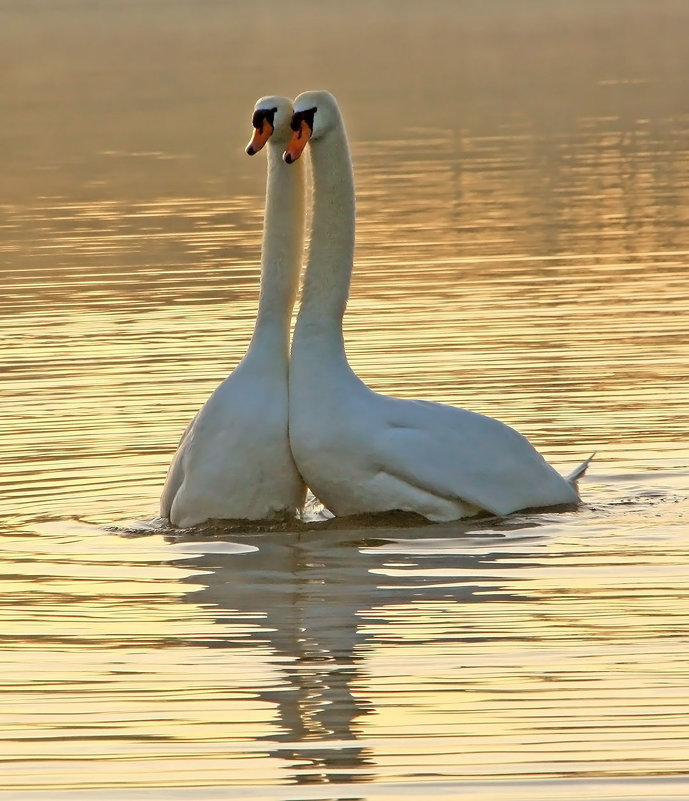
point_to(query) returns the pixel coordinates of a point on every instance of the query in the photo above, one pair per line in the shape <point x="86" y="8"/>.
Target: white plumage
<point x="360" y="451"/>
<point x="234" y="459"/>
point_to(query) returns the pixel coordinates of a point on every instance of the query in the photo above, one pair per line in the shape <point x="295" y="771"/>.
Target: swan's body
<point x="360" y="451"/>
<point x="234" y="459"/>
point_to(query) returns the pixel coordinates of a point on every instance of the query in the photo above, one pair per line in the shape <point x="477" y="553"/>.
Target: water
<point x="523" y="250"/>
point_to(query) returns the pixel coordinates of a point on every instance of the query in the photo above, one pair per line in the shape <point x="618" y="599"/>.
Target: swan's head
<point x="272" y="116"/>
<point x="315" y="113"/>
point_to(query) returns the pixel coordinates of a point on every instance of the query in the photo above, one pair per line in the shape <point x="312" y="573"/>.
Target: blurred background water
<point x="523" y="250"/>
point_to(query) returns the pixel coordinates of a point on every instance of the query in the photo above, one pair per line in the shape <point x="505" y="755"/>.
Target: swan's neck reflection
<point x="308" y="599"/>
<point x="307" y="595"/>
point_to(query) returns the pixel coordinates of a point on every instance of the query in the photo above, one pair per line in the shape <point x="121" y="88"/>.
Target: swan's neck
<point x="281" y="253"/>
<point x="331" y="251"/>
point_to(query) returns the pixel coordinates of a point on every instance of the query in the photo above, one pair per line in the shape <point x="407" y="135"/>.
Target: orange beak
<point x="260" y="137"/>
<point x="298" y="142"/>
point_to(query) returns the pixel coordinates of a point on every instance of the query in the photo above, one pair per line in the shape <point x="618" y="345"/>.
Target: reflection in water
<point x="308" y="599"/>
<point x="487" y="627"/>
<point x="314" y="597"/>
<point x="545" y="646"/>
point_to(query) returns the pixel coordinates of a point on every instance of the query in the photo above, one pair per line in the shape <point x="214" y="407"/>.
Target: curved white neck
<point x="281" y="252"/>
<point x="331" y="249"/>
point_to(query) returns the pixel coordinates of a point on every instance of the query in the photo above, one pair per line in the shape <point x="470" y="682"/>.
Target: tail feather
<point x="576" y="474"/>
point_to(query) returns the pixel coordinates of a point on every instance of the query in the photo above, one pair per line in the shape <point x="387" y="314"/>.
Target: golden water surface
<point x="523" y="250"/>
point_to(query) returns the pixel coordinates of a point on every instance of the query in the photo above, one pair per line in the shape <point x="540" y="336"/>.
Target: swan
<point x="360" y="451"/>
<point x="234" y="459"/>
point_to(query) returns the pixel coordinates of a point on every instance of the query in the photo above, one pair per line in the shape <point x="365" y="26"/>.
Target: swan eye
<point x="262" y="115"/>
<point x="303" y="116"/>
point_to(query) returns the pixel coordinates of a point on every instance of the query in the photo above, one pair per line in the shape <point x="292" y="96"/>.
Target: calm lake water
<point x="523" y="251"/>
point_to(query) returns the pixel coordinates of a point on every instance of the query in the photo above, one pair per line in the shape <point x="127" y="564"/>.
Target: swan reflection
<point x="322" y="600"/>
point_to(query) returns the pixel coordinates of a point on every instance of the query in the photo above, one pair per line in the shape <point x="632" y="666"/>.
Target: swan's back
<point x="363" y="452"/>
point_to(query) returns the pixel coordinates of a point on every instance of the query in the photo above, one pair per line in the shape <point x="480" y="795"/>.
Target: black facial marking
<point x="262" y="115"/>
<point x="303" y="116"/>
